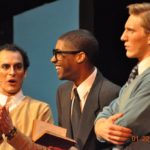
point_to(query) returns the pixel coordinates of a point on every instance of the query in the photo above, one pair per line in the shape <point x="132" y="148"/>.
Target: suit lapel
<point x="67" y="110"/>
<point x="90" y="111"/>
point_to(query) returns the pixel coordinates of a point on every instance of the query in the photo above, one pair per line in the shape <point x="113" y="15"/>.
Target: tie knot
<point x="133" y="74"/>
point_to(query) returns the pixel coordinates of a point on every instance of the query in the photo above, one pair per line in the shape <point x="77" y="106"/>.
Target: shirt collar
<point x="84" y="88"/>
<point x="15" y="98"/>
<point x="143" y="65"/>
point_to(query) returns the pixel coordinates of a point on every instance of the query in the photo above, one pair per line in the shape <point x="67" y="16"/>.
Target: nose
<point x="12" y="71"/>
<point x="123" y="36"/>
<point x="53" y="59"/>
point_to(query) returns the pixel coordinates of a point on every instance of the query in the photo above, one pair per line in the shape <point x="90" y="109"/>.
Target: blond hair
<point x="143" y="11"/>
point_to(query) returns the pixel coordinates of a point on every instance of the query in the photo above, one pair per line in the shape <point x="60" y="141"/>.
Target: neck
<point x="84" y="74"/>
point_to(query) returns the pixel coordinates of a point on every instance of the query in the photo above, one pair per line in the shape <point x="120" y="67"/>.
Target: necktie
<point x="133" y="74"/>
<point x="76" y="113"/>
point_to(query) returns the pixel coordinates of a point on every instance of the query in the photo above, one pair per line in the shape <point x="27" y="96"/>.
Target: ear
<point x="80" y="57"/>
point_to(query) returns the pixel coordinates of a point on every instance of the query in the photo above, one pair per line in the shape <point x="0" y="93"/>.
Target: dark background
<point x="104" y="18"/>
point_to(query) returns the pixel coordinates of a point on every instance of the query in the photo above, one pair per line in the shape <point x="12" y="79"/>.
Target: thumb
<point x="115" y="117"/>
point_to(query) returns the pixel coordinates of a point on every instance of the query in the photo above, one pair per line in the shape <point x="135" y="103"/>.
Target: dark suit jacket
<point x="101" y="94"/>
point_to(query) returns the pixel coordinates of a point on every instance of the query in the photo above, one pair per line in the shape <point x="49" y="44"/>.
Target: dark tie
<point x="76" y="113"/>
<point x="133" y="74"/>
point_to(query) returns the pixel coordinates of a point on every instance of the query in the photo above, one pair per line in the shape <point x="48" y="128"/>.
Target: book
<point x="47" y="134"/>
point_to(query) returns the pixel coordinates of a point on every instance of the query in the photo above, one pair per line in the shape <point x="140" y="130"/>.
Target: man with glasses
<point x="85" y="94"/>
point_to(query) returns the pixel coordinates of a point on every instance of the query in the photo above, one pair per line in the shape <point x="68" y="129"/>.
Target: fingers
<point x="120" y="129"/>
<point x="118" y="134"/>
<point x="106" y="129"/>
<point x="115" y="117"/>
<point x="5" y="120"/>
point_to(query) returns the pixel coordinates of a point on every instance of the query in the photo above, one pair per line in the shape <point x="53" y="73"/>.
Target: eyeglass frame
<point x="57" y="51"/>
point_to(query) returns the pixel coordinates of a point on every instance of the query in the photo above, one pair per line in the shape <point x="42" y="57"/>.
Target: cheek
<point x="2" y="77"/>
<point x="20" y="76"/>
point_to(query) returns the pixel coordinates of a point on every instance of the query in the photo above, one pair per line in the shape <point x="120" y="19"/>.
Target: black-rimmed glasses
<point x="58" y="53"/>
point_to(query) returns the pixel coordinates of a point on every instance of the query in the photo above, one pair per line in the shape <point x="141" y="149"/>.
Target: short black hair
<point x="84" y="40"/>
<point x="15" y="48"/>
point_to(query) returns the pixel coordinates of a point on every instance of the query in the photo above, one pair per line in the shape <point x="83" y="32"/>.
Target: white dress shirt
<point x="83" y="89"/>
<point x="15" y="100"/>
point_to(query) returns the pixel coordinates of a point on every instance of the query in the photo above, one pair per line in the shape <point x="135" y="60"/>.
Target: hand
<point x="106" y="129"/>
<point x="5" y="121"/>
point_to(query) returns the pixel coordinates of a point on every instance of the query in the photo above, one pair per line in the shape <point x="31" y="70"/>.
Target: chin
<point x="12" y="91"/>
<point x="129" y="55"/>
<point x="60" y="77"/>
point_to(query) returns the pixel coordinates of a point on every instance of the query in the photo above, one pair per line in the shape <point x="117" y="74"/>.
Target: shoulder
<point x="106" y="83"/>
<point x="109" y="90"/>
<point x="143" y="80"/>
<point x="66" y="85"/>
<point x="35" y="102"/>
<point x="110" y="85"/>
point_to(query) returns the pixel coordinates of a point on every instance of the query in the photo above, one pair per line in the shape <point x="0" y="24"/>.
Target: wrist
<point x="11" y="133"/>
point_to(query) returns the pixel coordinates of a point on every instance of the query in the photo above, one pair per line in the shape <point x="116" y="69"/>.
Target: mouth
<point x="58" y="68"/>
<point x="126" y="46"/>
<point x="12" y="81"/>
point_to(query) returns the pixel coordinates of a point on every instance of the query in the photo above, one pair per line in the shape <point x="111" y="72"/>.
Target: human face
<point x="11" y="72"/>
<point x="66" y="65"/>
<point x="135" y="39"/>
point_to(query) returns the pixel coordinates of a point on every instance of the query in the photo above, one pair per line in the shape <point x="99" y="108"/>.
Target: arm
<point x="107" y="129"/>
<point x="141" y="142"/>
<point x="111" y="109"/>
<point x="45" y="113"/>
<point x="105" y="126"/>
<point x="137" y="109"/>
<point x="17" y="140"/>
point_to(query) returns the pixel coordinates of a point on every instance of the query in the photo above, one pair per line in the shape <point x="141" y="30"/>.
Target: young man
<point x="23" y="109"/>
<point x="128" y="114"/>
<point x="74" y="57"/>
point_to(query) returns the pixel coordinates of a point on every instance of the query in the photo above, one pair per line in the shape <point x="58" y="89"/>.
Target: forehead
<point x="7" y="56"/>
<point x="64" y="45"/>
<point x="133" y="21"/>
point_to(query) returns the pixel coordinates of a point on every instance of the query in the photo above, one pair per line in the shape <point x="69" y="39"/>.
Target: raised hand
<point x="6" y="124"/>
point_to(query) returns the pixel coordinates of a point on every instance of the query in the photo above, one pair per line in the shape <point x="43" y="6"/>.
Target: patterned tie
<point x="133" y="74"/>
<point x="76" y="113"/>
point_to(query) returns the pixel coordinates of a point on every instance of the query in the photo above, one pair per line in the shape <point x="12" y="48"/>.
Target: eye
<point x="131" y="31"/>
<point x="5" y="66"/>
<point x="19" y="66"/>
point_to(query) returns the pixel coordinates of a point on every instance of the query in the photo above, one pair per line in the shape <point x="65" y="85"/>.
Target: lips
<point x="12" y="81"/>
<point x="58" y="68"/>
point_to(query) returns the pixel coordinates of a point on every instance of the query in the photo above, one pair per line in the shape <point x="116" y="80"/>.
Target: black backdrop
<point x="106" y="20"/>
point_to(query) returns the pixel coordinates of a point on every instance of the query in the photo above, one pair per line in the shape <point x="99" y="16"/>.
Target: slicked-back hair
<point x="14" y="48"/>
<point x="82" y="40"/>
<point x="142" y="10"/>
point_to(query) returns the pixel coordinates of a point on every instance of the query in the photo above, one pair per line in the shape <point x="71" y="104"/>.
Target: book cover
<point x="51" y="135"/>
